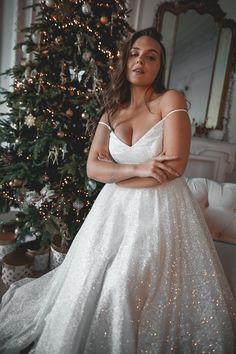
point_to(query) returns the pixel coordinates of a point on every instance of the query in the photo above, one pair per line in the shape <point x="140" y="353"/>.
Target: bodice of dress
<point x="148" y="146"/>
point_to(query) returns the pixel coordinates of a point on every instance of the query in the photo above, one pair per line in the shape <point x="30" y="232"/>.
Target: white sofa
<point x="218" y="203"/>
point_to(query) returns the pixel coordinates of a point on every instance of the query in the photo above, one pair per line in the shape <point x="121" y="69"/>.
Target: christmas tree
<point x="67" y="55"/>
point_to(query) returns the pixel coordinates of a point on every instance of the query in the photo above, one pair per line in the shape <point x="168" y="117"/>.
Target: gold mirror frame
<point x="217" y="96"/>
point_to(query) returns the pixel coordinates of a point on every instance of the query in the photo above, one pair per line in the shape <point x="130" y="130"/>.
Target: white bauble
<point x="49" y="3"/>
<point x="86" y="8"/>
<point x="24" y="48"/>
<point x="36" y="36"/>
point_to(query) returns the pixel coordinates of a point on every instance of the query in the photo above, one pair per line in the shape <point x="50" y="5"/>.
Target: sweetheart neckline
<point x="131" y="146"/>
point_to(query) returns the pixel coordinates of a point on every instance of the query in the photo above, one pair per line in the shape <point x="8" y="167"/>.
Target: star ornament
<point x="30" y="120"/>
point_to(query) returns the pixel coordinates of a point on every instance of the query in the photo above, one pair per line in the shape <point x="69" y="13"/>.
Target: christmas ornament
<point x="50" y="3"/>
<point x="87" y="55"/>
<point x="79" y="42"/>
<point x="33" y="73"/>
<point x="37" y="199"/>
<point x="63" y="151"/>
<point x="104" y="20"/>
<point x="46" y="178"/>
<point x="78" y="204"/>
<point x="30" y="120"/>
<point x="36" y="36"/>
<point x="54" y="152"/>
<point x="13" y="126"/>
<point x="58" y="39"/>
<point x="69" y="113"/>
<point x="17" y="183"/>
<point x="80" y="75"/>
<point x="86" y="9"/>
<point x="24" y="48"/>
<point x="60" y="134"/>
<point x="73" y="72"/>
<point x="91" y="185"/>
<point x="19" y="152"/>
<point x="17" y="231"/>
<point x="85" y="115"/>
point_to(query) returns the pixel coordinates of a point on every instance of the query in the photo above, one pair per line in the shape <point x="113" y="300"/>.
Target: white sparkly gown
<point x="142" y="276"/>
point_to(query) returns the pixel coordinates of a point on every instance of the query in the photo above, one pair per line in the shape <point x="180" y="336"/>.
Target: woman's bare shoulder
<point x="173" y="98"/>
<point x="104" y="118"/>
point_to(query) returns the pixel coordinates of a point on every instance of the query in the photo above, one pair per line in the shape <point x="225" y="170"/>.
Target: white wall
<point x="12" y="19"/>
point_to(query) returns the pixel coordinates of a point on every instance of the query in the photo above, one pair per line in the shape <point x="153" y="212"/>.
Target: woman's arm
<point x="102" y="171"/>
<point x="145" y="182"/>
<point x="177" y="131"/>
<point x="140" y="182"/>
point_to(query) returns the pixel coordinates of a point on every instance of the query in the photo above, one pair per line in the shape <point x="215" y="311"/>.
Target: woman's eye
<point x="133" y="54"/>
<point x="151" y="58"/>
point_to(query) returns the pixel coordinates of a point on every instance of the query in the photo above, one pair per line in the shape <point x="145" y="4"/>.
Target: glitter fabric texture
<point x="142" y="276"/>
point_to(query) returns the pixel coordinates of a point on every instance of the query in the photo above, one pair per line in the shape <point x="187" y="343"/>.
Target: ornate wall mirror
<point x="200" y="44"/>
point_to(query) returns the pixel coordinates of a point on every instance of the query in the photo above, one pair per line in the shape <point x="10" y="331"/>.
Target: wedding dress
<point x="142" y="276"/>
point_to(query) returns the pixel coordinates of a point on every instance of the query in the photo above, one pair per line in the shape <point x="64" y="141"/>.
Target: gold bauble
<point x="16" y="182"/>
<point x="60" y="134"/>
<point x="104" y="20"/>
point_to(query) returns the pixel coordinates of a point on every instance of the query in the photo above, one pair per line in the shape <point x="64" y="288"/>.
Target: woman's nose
<point x="140" y="60"/>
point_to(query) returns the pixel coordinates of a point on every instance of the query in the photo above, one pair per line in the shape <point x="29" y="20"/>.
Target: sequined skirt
<point x="142" y="276"/>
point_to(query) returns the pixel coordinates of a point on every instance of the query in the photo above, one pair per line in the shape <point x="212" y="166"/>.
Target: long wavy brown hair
<point x="118" y="92"/>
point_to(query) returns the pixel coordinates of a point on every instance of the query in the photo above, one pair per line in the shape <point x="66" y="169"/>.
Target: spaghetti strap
<point x="108" y="126"/>
<point x="175" y="110"/>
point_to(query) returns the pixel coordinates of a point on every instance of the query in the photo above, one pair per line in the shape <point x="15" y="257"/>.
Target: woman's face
<point x="144" y="61"/>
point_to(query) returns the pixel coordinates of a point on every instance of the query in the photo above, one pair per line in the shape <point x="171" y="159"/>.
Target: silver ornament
<point x="36" y="36"/>
<point x="17" y="230"/>
<point x="33" y="73"/>
<point x="24" y="48"/>
<point x="49" y="3"/>
<point x="78" y="204"/>
<point x="86" y="9"/>
<point x="91" y="185"/>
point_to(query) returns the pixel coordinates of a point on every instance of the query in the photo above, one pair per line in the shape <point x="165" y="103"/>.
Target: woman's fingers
<point x="168" y="169"/>
<point x="164" y="157"/>
<point x="104" y="157"/>
<point x="160" y="177"/>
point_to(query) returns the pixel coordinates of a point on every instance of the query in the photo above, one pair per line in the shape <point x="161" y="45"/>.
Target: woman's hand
<point x="105" y="157"/>
<point x="156" y="168"/>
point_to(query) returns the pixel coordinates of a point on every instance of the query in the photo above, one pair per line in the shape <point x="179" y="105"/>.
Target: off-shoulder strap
<point x="108" y="126"/>
<point x="175" y="110"/>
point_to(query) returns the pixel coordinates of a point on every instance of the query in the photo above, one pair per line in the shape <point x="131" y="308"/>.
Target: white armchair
<point x="218" y="203"/>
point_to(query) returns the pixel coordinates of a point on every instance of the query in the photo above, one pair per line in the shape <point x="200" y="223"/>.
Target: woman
<point x="142" y="275"/>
